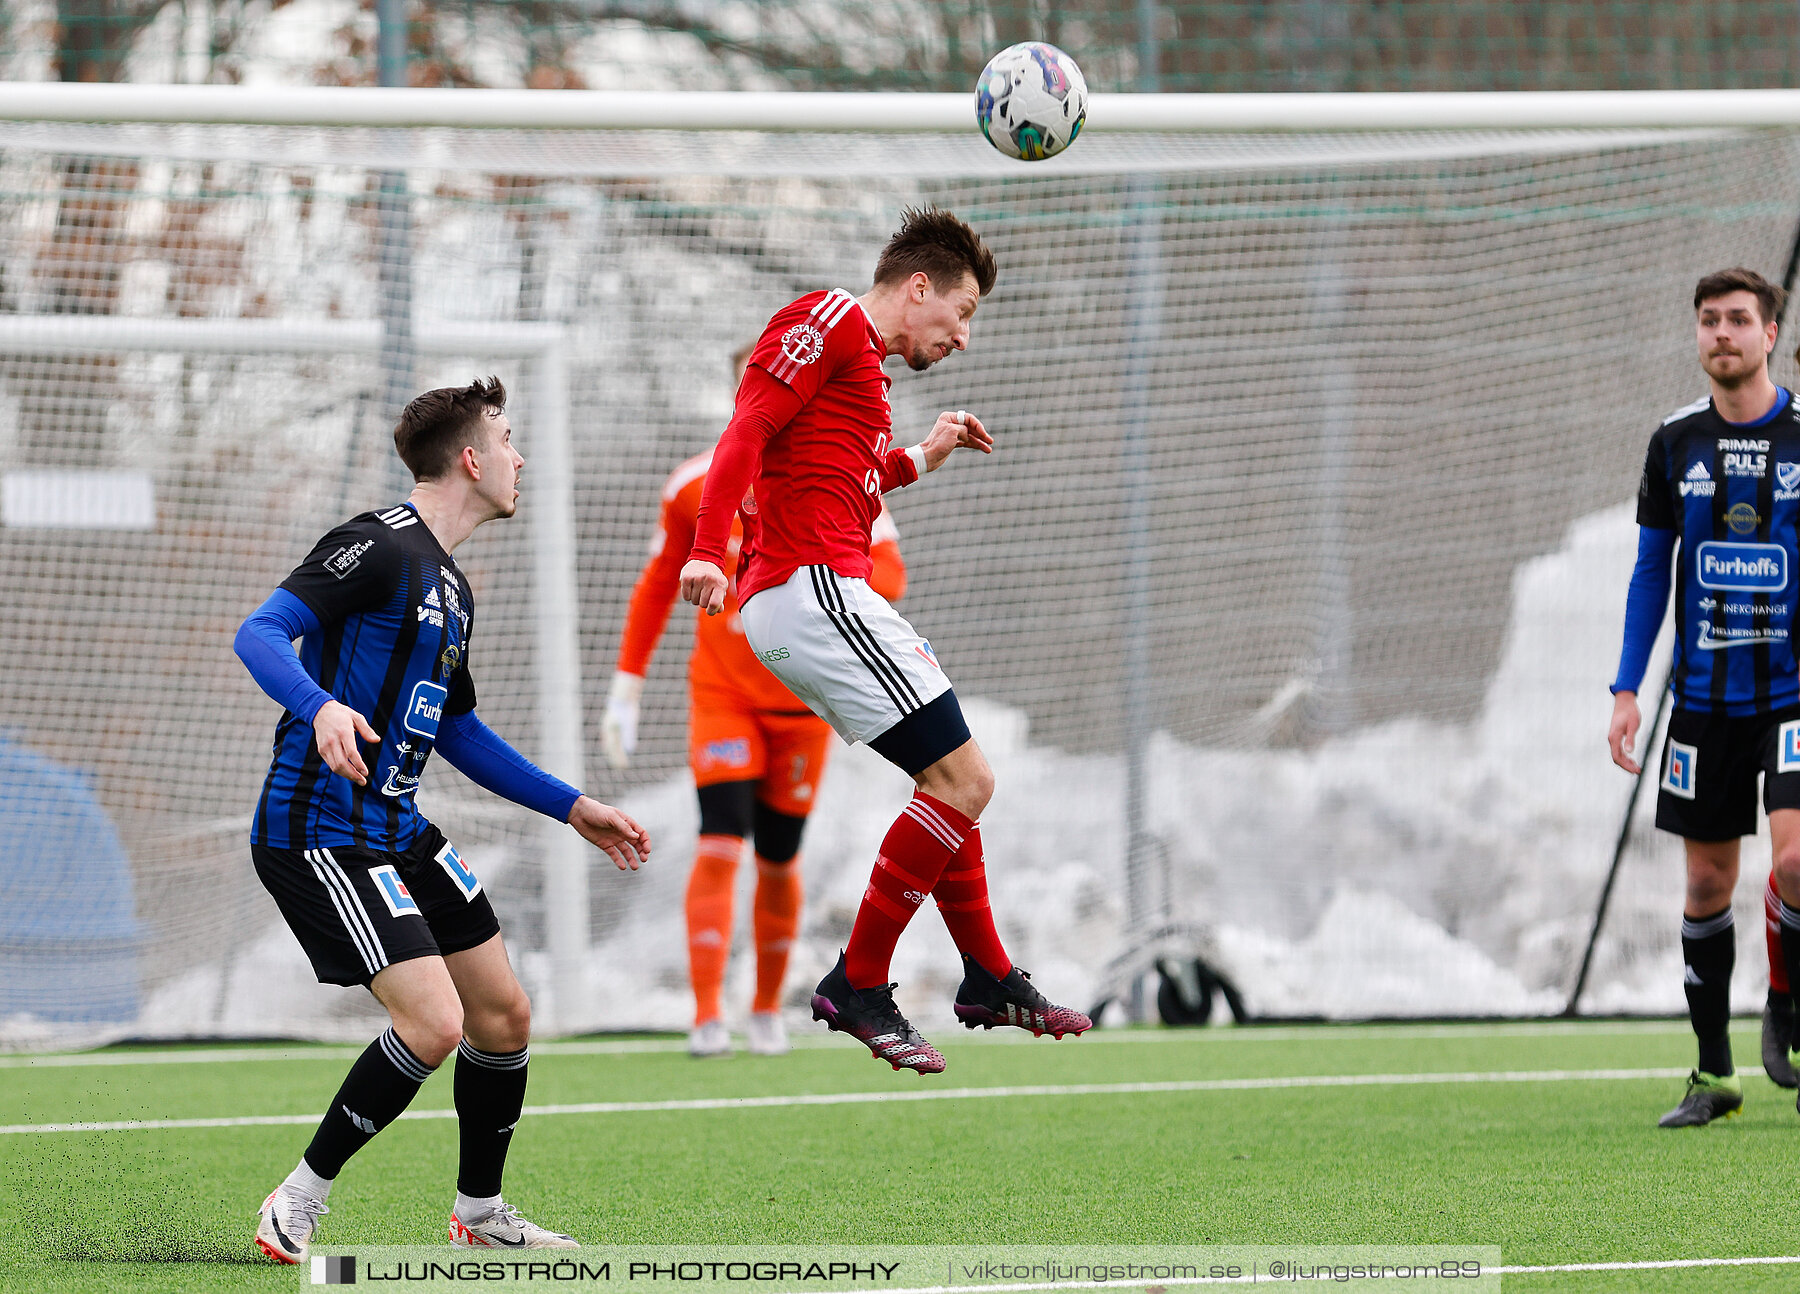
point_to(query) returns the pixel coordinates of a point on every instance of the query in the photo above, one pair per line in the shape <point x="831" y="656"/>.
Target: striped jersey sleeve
<point x="804" y="344"/>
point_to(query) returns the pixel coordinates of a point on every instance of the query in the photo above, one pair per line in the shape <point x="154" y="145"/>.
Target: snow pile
<point x="1406" y="869"/>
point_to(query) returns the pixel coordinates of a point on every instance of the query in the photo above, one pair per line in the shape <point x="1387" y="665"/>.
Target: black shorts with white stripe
<point x="357" y="911"/>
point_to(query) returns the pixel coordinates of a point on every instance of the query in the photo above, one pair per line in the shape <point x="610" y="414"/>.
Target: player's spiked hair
<point x="933" y="241"/>
<point x="435" y="427"/>
<point x="1769" y="297"/>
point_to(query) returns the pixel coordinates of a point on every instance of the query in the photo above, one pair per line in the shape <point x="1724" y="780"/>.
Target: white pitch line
<point x="221" y="1056"/>
<point x="1661" y="1265"/>
<point x="241" y="1055"/>
<point x="879" y="1098"/>
<point x="1030" y="1287"/>
<point x="1107" y="1037"/>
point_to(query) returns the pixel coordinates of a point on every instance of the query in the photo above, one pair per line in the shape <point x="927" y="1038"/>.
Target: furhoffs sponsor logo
<point x="1744" y="568"/>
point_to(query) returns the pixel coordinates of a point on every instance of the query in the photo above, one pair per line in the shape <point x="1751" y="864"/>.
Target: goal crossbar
<point x="62" y="334"/>
<point x="371" y="106"/>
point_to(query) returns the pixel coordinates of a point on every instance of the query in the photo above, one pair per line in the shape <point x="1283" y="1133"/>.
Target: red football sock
<point x="775" y="919"/>
<point x="962" y="899"/>
<point x="913" y="856"/>
<point x="709" y="920"/>
<point x="1778" y="979"/>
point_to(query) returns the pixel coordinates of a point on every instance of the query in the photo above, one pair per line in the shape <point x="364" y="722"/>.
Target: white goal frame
<point x="555" y="587"/>
<point x="370" y="106"/>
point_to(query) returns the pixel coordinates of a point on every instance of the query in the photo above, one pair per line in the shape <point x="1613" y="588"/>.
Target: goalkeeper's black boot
<point x="986" y="1001"/>
<point x="1777" y="1028"/>
<point x="870" y="1016"/>
<point x="1708" y="1097"/>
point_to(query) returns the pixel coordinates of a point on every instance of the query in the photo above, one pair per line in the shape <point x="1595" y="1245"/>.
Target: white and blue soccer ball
<point x="1031" y="100"/>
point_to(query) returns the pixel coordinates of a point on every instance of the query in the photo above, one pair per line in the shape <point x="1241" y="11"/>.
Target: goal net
<point x="1313" y="487"/>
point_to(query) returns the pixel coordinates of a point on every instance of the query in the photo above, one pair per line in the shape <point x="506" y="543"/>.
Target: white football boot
<point x="289" y="1219"/>
<point x="766" y="1034"/>
<point x="709" y="1039"/>
<point x="503" y="1228"/>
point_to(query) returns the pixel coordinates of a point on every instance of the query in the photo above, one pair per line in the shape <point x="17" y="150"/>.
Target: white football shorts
<point x="842" y="648"/>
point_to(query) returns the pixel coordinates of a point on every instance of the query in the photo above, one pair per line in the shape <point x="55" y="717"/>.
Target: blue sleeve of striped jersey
<point x="265" y="643"/>
<point x="1644" y="605"/>
<point x="479" y="753"/>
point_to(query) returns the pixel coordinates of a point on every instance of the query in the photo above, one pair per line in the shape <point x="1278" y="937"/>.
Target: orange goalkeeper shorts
<point x="784" y="754"/>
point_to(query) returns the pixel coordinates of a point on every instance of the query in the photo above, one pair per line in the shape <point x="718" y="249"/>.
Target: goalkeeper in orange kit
<point x="757" y="753"/>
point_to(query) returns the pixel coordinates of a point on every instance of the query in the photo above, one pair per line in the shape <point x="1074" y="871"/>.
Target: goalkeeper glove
<point x="618" y="733"/>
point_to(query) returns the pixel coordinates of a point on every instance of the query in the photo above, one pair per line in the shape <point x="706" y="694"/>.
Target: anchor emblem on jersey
<point x="802" y="344"/>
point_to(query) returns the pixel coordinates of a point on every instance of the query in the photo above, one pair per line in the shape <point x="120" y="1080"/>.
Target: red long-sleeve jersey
<point x="723" y="669"/>
<point x="814" y="435"/>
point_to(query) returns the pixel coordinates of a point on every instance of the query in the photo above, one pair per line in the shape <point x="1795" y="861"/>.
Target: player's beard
<point x="920" y="360"/>
<point x="1729" y="380"/>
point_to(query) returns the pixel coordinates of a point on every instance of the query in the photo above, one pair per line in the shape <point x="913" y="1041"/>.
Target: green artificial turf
<point x="1553" y="1172"/>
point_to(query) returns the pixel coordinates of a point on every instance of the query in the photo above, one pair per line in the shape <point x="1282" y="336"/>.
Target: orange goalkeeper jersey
<point x="723" y="670"/>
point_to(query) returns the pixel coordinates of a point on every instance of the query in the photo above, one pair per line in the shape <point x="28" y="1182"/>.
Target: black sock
<point x="381" y="1084"/>
<point x="1790" y="957"/>
<point x="490" y="1094"/>
<point x="1709" y="947"/>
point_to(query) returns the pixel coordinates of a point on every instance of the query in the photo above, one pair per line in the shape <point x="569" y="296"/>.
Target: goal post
<point x="544" y="403"/>
<point x="1283" y="612"/>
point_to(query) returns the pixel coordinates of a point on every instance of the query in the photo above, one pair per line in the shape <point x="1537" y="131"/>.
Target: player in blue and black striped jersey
<point x="1720" y="494"/>
<point x="384" y="615"/>
<point x="374" y="893"/>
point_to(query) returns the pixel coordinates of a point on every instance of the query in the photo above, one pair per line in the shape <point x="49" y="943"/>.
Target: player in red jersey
<point x="813" y="432"/>
<point x="757" y="754"/>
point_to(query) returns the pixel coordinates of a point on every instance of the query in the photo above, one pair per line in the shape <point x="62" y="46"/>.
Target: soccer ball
<point x="1031" y="100"/>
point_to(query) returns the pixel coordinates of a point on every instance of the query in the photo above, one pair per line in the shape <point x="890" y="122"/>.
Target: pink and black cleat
<point x="870" y="1016"/>
<point x="983" y="1000"/>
